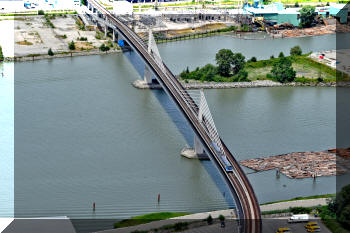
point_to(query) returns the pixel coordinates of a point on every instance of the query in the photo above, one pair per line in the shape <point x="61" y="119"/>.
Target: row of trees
<point x="230" y="67"/>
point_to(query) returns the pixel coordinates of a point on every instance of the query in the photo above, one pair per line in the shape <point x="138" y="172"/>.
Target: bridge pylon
<point x="152" y="49"/>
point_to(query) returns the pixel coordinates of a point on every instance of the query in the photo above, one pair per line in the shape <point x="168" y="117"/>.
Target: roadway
<point x="247" y="204"/>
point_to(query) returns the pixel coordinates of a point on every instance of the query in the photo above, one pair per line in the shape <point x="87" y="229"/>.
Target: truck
<point x="299" y="218"/>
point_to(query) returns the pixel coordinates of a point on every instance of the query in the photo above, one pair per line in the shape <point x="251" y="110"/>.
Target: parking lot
<point x="271" y="225"/>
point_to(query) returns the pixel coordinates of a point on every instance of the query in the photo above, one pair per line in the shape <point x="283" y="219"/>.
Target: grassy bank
<point x="188" y="34"/>
<point x="142" y="219"/>
<point x="302" y="198"/>
<point x="306" y="70"/>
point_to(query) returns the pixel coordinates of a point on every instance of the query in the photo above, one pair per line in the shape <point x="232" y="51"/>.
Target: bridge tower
<point x="152" y="49"/>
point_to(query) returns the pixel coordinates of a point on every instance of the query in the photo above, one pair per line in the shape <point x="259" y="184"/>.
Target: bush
<point x="296" y="4"/>
<point x="253" y="59"/>
<point x="104" y="48"/>
<point x="71" y="45"/>
<point x="272" y="57"/>
<point x="1" y="55"/>
<point x="300" y="210"/>
<point x="209" y="220"/>
<point x="41" y="12"/>
<point x="83" y="38"/>
<point x="296" y="51"/>
<point x="180" y="226"/>
<point x="221" y="217"/>
<point x="49" y="52"/>
<point x="281" y="55"/>
<point x="242" y="76"/>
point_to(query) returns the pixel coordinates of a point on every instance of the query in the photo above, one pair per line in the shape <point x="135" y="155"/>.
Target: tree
<point x="41" y="12"/>
<point x="209" y="220"/>
<point x="343" y="206"/>
<point x="296" y="4"/>
<point x="49" y="52"/>
<point x="1" y="54"/>
<point x="296" y="51"/>
<point x="282" y="70"/>
<point x="307" y="15"/>
<point x="238" y="63"/>
<point x="281" y="55"/>
<point x="104" y="48"/>
<point x="224" y="60"/>
<point x="71" y="45"/>
<point x="83" y="2"/>
<point x="272" y="57"/>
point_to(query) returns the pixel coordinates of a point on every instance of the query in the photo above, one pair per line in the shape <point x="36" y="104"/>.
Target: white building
<point x="23" y="5"/>
<point x="122" y="7"/>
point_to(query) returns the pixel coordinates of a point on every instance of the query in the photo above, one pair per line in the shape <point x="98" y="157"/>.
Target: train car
<point x="216" y="147"/>
<point x="228" y="166"/>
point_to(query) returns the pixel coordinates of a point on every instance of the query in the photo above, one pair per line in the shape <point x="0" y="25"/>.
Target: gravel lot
<point x="36" y="37"/>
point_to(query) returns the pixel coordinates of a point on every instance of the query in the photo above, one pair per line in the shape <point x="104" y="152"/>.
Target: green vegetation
<point x="209" y="220"/>
<point x="61" y="36"/>
<point x="41" y="12"/>
<point x="99" y="35"/>
<point x="147" y="218"/>
<point x="180" y="226"/>
<point x="221" y="217"/>
<point x="71" y="45"/>
<point x="230" y="68"/>
<point x="49" y="52"/>
<point x="281" y="54"/>
<point x="341" y="206"/>
<point x="80" y="24"/>
<point x="307" y="15"/>
<point x="282" y="71"/>
<point x="82" y="38"/>
<point x="1" y="55"/>
<point x="104" y="48"/>
<point x="48" y="20"/>
<point x="296" y="51"/>
<point x="302" y="198"/>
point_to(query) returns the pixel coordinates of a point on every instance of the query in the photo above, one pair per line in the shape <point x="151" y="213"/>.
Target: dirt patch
<point x="83" y="45"/>
<point x="204" y="28"/>
<point x="24" y="42"/>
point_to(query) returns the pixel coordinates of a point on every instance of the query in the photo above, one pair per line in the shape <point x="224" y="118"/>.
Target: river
<point x="83" y="134"/>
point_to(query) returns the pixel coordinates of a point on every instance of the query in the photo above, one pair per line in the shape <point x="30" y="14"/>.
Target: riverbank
<point x="35" y="57"/>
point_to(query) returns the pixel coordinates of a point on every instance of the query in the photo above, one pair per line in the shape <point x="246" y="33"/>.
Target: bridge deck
<point x="247" y="204"/>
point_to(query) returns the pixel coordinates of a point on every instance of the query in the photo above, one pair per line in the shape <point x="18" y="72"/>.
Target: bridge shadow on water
<point x="183" y="126"/>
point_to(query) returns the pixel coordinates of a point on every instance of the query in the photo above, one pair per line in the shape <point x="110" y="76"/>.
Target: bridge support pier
<point x="113" y="35"/>
<point x="147" y="76"/>
<point x="106" y="30"/>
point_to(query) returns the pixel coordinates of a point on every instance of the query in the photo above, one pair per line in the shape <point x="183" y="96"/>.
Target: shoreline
<point x="140" y="84"/>
<point x="59" y="55"/>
